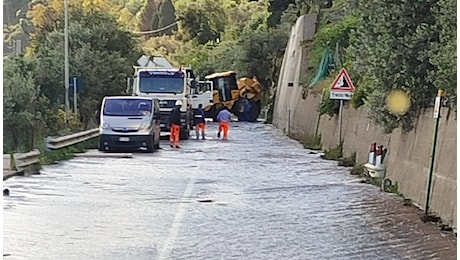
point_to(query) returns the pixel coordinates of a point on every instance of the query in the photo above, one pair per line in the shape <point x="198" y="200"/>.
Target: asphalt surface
<point x="258" y="195"/>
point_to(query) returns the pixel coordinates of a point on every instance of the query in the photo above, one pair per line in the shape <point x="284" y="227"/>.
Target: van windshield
<point x="127" y="107"/>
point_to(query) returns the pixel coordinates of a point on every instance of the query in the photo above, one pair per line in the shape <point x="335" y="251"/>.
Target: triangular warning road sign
<point x="343" y="82"/>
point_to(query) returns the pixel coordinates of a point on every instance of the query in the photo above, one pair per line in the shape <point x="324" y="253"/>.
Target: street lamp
<point x="66" y="61"/>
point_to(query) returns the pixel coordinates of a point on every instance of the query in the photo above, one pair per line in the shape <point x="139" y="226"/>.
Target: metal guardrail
<point x="22" y="160"/>
<point x="54" y="143"/>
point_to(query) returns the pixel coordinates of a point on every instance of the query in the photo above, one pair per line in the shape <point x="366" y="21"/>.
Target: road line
<point x="177" y="223"/>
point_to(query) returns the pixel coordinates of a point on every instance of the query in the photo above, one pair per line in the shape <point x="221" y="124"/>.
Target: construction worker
<point x="200" y="122"/>
<point x="224" y="117"/>
<point x="174" y="125"/>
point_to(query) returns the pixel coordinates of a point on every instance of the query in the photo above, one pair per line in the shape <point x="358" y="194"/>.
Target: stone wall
<point x="408" y="157"/>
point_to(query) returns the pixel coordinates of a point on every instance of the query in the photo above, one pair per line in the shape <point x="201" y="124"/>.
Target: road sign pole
<point x="340" y="121"/>
<point x="437" y="115"/>
<point x="342" y="88"/>
<point x="75" y="96"/>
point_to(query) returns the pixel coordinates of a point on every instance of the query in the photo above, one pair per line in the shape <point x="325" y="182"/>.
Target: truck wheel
<point x="255" y="111"/>
<point x="239" y="106"/>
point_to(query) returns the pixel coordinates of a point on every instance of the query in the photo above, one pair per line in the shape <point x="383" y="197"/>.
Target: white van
<point x="129" y="123"/>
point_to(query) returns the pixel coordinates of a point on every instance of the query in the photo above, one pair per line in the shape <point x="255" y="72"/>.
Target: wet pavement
<point x="258" y="195"/>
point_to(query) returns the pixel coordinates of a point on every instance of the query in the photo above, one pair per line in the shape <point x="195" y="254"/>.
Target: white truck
<point x="203" y="94"/>
<point x="157" y="78"/>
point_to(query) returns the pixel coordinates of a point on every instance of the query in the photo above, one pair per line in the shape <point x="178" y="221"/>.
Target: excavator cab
<point x="225" y="85"/>
<point x="241" y="97"/>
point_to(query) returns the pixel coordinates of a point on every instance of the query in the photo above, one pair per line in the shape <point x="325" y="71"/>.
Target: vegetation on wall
<point x="390" y="46"/>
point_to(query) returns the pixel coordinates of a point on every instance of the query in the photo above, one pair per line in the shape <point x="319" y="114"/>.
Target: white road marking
<point x="177" y="223"/>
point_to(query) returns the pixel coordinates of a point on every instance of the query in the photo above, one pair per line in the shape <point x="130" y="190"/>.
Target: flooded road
<point x="259" y="195"/>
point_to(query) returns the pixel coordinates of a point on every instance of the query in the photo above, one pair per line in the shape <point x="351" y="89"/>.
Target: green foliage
<point x="348" y="161"/>
<point x="359" y="97"/>
<point x="59" y="155"/>
<point x="358" y="169"/>
<point x="148" y="16"/>
<point x="328" y="36"/>
<point x="312" y="142"/>
<point x="398" y="58"/>
<point x="392" y="188"/>
<point x="333" y="154"/>
<point x="53" y="156"/>
<point x="442" y="52"/>
<point x="24" y="106"/>
<point x="276" y="9"/>
<point x="201" y="20"/>
<point x="101" y="54"/>
<point x="328" y="106"/>
<point x="166" y="16"/>
<point x="382" y="47"/>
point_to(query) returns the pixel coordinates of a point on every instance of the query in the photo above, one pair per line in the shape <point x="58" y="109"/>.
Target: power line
<point x="157" y="30"/>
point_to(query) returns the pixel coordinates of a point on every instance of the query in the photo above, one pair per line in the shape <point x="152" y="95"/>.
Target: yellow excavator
<point x="241" y="97"/>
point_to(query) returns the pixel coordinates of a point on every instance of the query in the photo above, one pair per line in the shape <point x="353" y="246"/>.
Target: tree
<point x="148" y="16"/>
<point x="101" y="54"/>
<point x="390" y="49"/>
<point x="203" y="21"/>
<point x="276" y="9"/>
<point x="166" y="16"/>
<point x="24" y="106"/>
<point x="442" y="52"/>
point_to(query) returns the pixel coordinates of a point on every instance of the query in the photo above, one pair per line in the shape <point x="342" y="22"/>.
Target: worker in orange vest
<point x="224" y="117"/>
<point x="174" y="124"/>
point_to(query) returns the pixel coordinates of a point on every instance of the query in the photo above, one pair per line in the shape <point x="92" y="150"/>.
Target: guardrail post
<point x="28" y="162"/>
<point x="7" y="162"/>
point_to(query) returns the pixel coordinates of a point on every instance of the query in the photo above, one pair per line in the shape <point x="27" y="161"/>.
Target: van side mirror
<point x="193" y="83"/>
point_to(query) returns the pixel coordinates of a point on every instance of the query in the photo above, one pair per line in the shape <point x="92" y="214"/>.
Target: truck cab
<point x="129" y="123"/>
<point x="203" y="94"/>
<point x="162" y="81"/>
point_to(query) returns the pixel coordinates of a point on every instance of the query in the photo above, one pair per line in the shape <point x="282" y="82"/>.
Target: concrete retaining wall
<point x="408" y="158"/>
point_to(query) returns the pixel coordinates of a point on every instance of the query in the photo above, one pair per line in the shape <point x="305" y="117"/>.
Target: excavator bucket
<point x="249" y="88"/>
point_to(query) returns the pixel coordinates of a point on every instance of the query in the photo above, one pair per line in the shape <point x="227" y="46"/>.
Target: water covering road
<point x="271" y="199"/>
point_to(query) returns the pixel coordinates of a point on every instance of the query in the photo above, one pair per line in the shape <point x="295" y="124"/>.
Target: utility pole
<point x="75" y="96"/>
<point x="66" y="61"/>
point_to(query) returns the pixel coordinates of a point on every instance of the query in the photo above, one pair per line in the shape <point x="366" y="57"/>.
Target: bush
<point x="312" y="142"/>
<point x="357" y="169"/>
<point x="328" y="106"/>
<point x="348" y="161"/>
<point x="333" y="154"/>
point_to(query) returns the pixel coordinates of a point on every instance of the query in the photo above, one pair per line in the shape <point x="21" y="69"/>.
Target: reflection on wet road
<point x="259" y="195"/>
